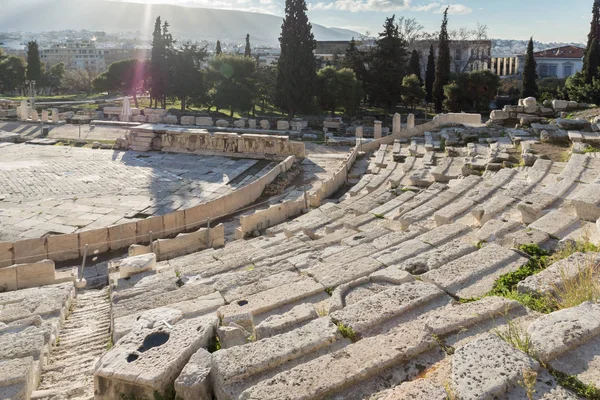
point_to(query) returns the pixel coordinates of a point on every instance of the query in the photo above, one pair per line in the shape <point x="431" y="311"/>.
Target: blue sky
<point x="546" y="20"/>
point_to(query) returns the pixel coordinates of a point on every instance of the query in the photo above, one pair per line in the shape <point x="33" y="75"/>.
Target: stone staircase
<point x="82" y="341"/>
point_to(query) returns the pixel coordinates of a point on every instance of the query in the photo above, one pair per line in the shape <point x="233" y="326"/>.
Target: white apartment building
<point x="82" y="55"/>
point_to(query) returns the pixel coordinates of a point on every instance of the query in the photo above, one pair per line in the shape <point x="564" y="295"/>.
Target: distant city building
<point x="560" y="62"/>
<point x="466" y="55"/>
<point x="80" y="55"/>
<point x="126" y="53"/>
<point x="267" y="60"/>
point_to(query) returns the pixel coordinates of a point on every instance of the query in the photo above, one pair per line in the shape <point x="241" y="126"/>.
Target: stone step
<point x="557" y="223"/>
<point x="553" y="277"/>
<point x="330" y="373"/>
<point x="236" y="367"/>
<point x="493" y="206"/>
<point x="388" y="304"/>
<point x="569" y="340"/>
<point x="271" y="299"/>
<point x="587" y="202"/>
<point x="474" y="274"/>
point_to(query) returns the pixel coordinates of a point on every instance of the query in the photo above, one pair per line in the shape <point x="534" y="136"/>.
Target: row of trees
<point x="385" y="76"/>
<point x="15" y="71"/>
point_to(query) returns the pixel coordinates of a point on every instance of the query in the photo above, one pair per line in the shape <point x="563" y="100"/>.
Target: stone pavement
<point x="54" y="189"/>
<point x="30" y="130"/>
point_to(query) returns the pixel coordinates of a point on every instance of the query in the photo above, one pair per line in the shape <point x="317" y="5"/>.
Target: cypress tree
<point x="414" y="65"/>
<point x="296" y="67"/>
<point x="430" y="75"/>
<point x="530" y="88"/>
<point x="442" y="68"/>
<point x="591" y="59"/>
<point x="156" y="88"/>
<point x="34" y="65"/>
<point x="247" y="51"/>
<point x="218" y="50"/>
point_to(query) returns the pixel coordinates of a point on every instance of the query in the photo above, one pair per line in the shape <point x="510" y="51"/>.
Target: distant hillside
<point x="509" y="47"/>
<point x="190" y="22"/>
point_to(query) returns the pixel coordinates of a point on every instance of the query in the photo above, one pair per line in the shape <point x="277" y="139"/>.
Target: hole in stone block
<point x="155" y="339"/>
<point x="132" y="357"/>
<point x="242" y="302"/>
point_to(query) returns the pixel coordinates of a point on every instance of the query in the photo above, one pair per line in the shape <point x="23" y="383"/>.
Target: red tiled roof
<point x="561" y="52"/>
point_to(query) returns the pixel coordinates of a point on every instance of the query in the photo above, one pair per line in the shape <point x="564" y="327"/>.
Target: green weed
<point x="347" y="332"/>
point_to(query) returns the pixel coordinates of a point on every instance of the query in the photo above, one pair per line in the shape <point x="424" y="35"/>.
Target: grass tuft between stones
<point x="575" y="385"/>
<point x="506" y="285"/>
<point x="347" y="332"/>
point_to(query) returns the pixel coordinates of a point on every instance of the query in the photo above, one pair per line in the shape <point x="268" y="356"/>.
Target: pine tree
<point x="430" y="76"/>
<point x="387" y="67"/>
<point x="442" y="68"/>
<point x="34" y="65"/>
<point x="247" y="51"/>
<point x="591" y="59"/>
<point x="414" y="65"/>
<point x="218" y="50"/>
<point x="355" y="60"/>
<point x="530" y="75"/>
<point x="296" y="67"/>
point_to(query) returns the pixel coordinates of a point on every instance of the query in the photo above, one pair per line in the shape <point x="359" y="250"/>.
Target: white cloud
<point x="388" y="6"/>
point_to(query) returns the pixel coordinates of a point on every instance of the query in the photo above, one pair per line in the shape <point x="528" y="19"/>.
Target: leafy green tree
<point x="412" y="92"/>
<point x="296" y="67"/>
<point x="265" y="79"/>
<point x="482" y="87"/>
<point x="580" y="91"/>
<point x="338" y="89"/>
<point x="34" y="65"/>
<point x="218" y="50"/>
<point x="414" y="65"/>
<point x="186" y="81"/>
<point x="247" y="50"/>
<point x="430" y="75"/>
<point x="387" y="67"/>
<point x="551" y="88"/>
<point x="591" y="61"/>
<point x="442" y="68"/>
<point x="530" y="75"/>
<point x="456" y="98"/>
<point x="125" y="77"/>
<point x="52" y="78"/>
<point x="232" y="77"/>
<point x="12" y="73"/>
<point x="471" y="92"/>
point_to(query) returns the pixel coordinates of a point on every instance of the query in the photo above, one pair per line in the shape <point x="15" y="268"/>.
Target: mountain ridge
<point x="193" y="23"/>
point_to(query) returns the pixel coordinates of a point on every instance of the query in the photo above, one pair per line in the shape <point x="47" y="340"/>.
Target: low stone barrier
<point x="419" y="130"/>
<point x="72" y="246"/>
<point x="23" y="276"/>
<point x="275" y="214"/>
<point x="201" y="141"/>
<point x="182" y="244"/>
